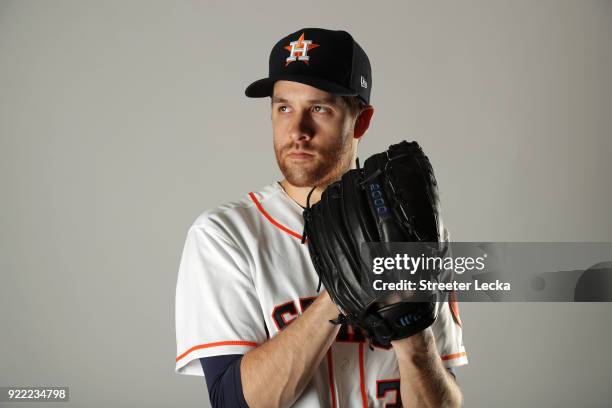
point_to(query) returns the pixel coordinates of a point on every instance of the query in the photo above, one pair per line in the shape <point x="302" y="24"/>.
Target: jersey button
<point x="345" y="364"/>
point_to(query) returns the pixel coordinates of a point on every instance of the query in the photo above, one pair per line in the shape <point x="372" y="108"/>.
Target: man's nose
<point x="301" y="127"/>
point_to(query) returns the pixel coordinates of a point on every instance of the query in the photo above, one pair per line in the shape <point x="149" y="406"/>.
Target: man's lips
<point x="300" y="155"/>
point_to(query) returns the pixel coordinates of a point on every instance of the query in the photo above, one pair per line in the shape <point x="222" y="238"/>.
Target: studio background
<point x="121" y="121"/>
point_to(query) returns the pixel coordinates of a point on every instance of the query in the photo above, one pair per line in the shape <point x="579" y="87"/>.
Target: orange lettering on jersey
<point x="284" y="314"/>
<point x="384" y="387"/>
<point x="287" y="312"/>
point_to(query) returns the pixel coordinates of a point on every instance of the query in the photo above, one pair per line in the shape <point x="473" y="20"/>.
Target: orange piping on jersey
<point x="272" y="220"/>
<point x="364" y="399"/>
<point x="454" y="307"/>
<point x="453" y="356"/>
<point x="330" y="373"/>
<point x="217" y="344"/>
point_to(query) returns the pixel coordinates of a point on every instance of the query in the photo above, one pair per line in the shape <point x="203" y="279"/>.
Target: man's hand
<point x="275" y="373"/>
<point x="424" y="381"/>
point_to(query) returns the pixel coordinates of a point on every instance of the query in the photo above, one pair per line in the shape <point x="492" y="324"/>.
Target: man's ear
<point x="363" y="121"/>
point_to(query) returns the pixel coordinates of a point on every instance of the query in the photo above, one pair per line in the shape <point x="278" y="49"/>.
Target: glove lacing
<point x="306" y="215"/>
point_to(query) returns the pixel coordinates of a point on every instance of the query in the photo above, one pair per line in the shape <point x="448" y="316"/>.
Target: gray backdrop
<point x="120" y="121"/>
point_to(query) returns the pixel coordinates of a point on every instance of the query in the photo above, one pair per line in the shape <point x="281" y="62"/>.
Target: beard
<point x="327" y="165"/>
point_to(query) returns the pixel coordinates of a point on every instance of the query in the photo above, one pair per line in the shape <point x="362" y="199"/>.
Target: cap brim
<point x="264" y="87"/>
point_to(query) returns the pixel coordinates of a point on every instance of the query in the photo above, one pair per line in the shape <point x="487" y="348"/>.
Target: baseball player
<point x="248" y="314"/>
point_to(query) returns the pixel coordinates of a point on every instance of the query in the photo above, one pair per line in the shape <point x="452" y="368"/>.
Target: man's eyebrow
<point x="276" y="99"/>
<point x="330" y="100"/>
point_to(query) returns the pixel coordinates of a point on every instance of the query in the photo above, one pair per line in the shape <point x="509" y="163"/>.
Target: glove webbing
<point x="306" y="215"/>
<point x="306" y="220"/>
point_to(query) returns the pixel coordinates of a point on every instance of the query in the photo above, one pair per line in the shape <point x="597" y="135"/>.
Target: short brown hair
<point x="354" y="103"/>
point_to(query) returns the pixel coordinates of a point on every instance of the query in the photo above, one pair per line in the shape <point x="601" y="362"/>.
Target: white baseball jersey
<point x="244" y="275"/>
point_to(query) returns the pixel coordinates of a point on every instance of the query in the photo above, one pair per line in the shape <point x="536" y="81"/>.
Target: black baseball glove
<point x="393" y="198"/>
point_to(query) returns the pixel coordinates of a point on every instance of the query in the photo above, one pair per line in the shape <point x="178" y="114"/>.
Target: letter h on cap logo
<point x="298" y="50"/>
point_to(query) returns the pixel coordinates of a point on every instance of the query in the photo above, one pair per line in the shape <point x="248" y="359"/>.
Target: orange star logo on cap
<point x="298" y="50"/>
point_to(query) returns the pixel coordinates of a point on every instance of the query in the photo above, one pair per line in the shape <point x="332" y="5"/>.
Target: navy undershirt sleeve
<point x="223" y="381"/>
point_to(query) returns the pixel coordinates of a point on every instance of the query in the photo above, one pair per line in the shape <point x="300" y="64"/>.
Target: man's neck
<point x="300" y="194"/>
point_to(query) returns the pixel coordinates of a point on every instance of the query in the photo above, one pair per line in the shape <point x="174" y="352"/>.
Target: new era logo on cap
<point x="329" y="60"/>
<point x="364" y="83"/>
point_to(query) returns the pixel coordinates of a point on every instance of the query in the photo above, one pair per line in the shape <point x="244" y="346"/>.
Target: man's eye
<point x="283" y="108"/>
<point x="319" y="108"/>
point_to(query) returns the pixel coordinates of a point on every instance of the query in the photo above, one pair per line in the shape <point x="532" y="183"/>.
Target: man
<point x="248" y="314"/>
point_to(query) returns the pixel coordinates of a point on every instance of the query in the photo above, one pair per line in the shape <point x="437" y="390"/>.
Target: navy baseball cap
<point x="325" y="59"/>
